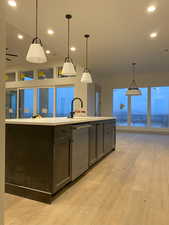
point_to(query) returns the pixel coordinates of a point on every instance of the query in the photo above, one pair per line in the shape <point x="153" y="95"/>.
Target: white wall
<point x="2" y="147"/>
<point x="123" y="80"/>
<point x="91" y="99"/>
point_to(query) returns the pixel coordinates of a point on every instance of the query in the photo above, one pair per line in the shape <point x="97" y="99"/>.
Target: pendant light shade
<point x="36" y="52"/>
<point x="68" y="67"/>
<point x="86" y="76"/>
<point x="133" y="90"/>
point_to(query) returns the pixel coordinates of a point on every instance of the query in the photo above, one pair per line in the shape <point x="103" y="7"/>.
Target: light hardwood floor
<point x="129" y="187"/>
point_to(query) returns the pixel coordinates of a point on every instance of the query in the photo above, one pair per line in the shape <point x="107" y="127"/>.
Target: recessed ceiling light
<point x="151" y="8"/>
<point x="12" y="3"/>
<point x="73" y="49"/>
<point x="51" y="32"/>
<point x="20" y="36"/>
<point x="153" y="35"/>
<point x="48" y="52"/>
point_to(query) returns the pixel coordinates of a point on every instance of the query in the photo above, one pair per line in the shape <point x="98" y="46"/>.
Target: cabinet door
<point x="114" y="135"/>
<point x="29" y="156"/>
<point x="61" y="159"/>
<point x="99" y="141"/>
<point x="92" y="145"/>
<point x="108" y="137"/>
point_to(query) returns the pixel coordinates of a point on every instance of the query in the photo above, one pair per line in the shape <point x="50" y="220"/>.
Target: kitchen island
<point x="44" y="155"/>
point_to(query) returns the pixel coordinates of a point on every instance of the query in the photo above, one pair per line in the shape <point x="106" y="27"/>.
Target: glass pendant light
<point x="133" y="90"/>
<point x="68" y="67"/>
<point x="86" y="76"/>
<point x="36" y="52"/>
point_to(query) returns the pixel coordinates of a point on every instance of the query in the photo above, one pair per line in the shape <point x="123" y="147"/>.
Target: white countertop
<point x="56" y="121"/>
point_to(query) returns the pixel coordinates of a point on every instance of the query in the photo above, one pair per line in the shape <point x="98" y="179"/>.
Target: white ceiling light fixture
<point x="151" y="9"/>
<point x="50" y="32"/>
<point x="12" y="3"/>
<point x="68" y="67"/>
<point x="36" y="52"/>
<point x="86" y="76"/>
<point x="73" y="49"/>
<point x="133" y="90"/>
<point x="153" y="35"/>
<point x="48" y="52"/>
<point x="20" y="36"/>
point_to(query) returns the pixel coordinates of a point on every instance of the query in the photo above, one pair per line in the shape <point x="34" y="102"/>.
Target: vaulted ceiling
<point x="119" y="32"/>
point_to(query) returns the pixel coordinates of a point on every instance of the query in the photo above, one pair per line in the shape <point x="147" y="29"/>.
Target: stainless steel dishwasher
<point x="80" y="150"/>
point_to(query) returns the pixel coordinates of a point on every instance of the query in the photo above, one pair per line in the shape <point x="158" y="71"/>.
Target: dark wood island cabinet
<point x="39" y="157"/>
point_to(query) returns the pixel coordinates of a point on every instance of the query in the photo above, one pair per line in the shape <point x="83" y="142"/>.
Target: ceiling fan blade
<point x="8" y="59"/>
<point x="14" y="55"/>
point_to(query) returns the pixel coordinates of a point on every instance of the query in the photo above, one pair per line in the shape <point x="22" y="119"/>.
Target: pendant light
<point x="36" y="52"/>
<point x="86" y="76"/>
<point x="68" y="67"/>
<point x="133" y="90"/>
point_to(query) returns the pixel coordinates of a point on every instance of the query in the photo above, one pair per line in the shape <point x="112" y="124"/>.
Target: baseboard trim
<point x="29" y="193"/>
<point x="143" y="130"/>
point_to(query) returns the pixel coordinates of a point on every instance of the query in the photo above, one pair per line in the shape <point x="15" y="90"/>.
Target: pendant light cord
<point x="134" y="69"/>
<point x="36" y="21"/>
<point x="68" y="41"/>
<point x="86" y="36"/>
<point x="36" y="39"/>
<point x="68" y="17"/>
<point x="86" y="53"/>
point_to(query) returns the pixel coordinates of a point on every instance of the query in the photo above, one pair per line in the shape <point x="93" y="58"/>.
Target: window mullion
<point x="149" y="107"/>
<point x="129" y="110"/>
<point x="54" y="102"/>
<point x="17" y="106"/>
<point x="35" y="101"/>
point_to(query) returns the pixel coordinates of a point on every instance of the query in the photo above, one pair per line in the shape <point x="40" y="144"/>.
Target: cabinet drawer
<point x="61" y="132"/>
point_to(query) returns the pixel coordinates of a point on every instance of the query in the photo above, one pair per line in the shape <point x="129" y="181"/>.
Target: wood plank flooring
<point x="129" y="187"/>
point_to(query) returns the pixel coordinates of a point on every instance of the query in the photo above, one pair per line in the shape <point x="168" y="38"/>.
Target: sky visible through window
<point x="64" y="96"/>
<point x="136" y="114"/>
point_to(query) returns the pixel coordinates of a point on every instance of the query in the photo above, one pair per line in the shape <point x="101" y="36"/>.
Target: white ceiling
<point x="119" y="32"/>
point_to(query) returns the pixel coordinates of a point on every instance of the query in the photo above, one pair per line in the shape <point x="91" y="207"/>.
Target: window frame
<point x="18" y="101"/>
<point x="35" y="97"/>
<point x="149" y="109"/>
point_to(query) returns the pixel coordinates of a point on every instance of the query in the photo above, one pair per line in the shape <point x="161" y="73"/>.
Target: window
<point x="120" y="106"/>
<point x="27" y="75"/>
<point x="151" y="109"/>
<point x="26" y="103"/>
<point x="59" y="72"/>
<point x="50" y="102"/>
<point x="139" y="109"/>
<point x="45" y="74"/>
<point x="64" y="96"/>
<point x="45" y="102"/>
<point x="160" y="107"/>
<point x="10" y="77"/>
<point x="11" y="103"/>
